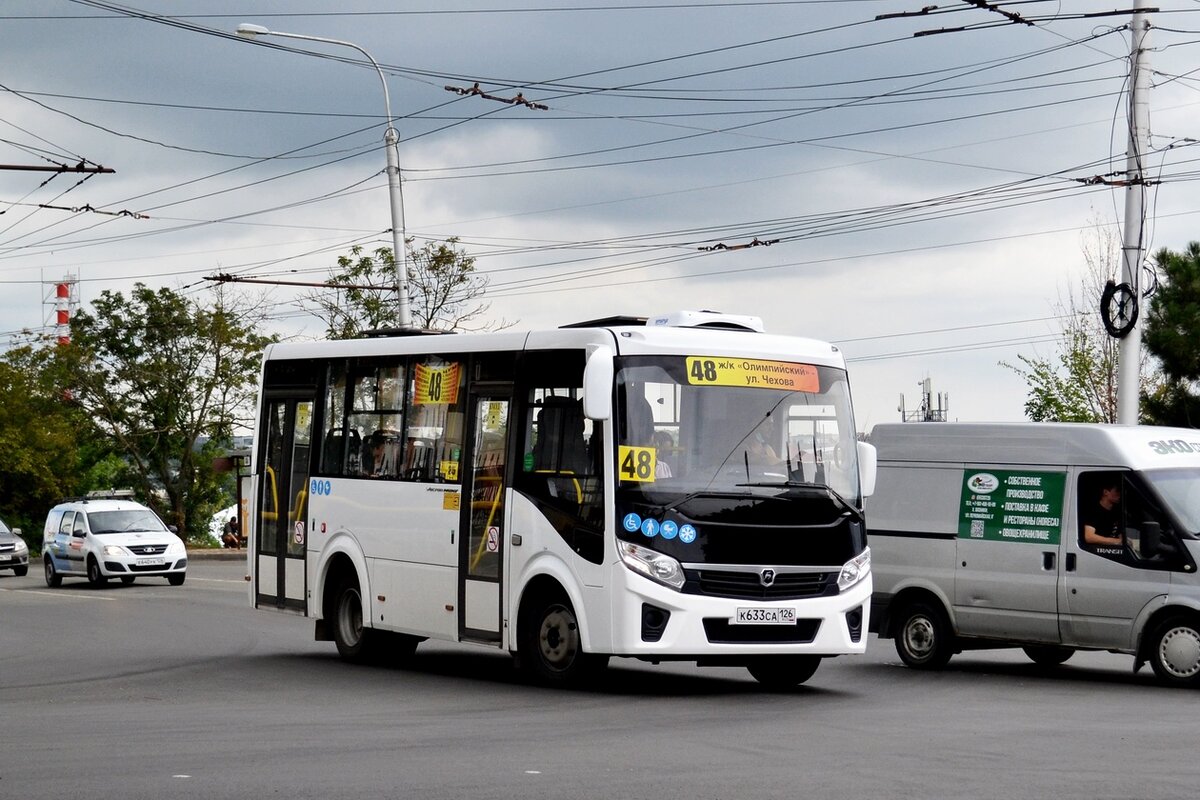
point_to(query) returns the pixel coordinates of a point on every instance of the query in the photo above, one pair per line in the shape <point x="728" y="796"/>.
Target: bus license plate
<point x="753" y="615"/>
<point x="151" y="562"/>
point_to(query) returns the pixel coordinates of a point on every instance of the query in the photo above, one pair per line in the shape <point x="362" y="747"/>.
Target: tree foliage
<point x="49" y="445"/>
<point x="168" y="380"/>
<point x="1172" y="327"/>
<point x="444" y="290"/>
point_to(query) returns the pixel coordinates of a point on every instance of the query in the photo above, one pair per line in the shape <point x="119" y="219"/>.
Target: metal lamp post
<point x="391" y="140"/>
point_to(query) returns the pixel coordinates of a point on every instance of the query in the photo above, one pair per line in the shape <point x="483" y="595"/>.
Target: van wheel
<point x="923" y="637"/>
<point x="550" y="644"/>
<point x="1048" y="655"/>
<point x="94" y="575"/>
<point x="53" y="579"/>
<point x="783" y="672"/>
<point x="1174" y="651"/>
<point x="128" y="579"/>
<point x="176" y="580"/>
<point x="355" y="642"/>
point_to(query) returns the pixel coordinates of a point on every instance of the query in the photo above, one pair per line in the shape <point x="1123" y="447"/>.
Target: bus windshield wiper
<point x="794" y="484"/>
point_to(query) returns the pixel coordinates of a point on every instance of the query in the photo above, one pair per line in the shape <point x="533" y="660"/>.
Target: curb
<point x="215" y="554"/>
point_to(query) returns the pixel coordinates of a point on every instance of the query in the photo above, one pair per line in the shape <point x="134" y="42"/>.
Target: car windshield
<point x="124" y="521"/>
<point x="695" y="424"/>
<point x="1179" y="489"/>
<point x="3" y="527"/>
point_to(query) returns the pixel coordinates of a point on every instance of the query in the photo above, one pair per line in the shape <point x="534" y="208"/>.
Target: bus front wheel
<point x="783" y="672"/>
<point x="551" y="646"/>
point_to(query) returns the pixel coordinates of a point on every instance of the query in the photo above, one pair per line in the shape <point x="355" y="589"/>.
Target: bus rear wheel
<point x="783" y="672"/>
<point x="550" y="644"/>
<point x="355" y="642"/>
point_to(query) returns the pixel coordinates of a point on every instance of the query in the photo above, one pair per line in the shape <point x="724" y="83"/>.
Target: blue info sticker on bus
<point x="687" y="534"/>
<point x="669" y="529"/>
<point x="650" y="528"/>
<point x="632" y="522"/>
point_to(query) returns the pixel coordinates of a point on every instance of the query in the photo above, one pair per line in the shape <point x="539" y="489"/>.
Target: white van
<point x="1053" y="537"/>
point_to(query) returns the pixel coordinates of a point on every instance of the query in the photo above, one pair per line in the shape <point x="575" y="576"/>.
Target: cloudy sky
<point x="923" y="178"/>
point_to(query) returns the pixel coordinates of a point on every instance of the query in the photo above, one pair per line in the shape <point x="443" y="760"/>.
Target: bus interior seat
<point x="337" y="452"/>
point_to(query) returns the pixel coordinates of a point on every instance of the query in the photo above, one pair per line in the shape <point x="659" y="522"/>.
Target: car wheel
<point x="1048" y="655"/>
<point x="94" y="575"/>
<point x="1174" y="651"/>
<point x="175" y="580"/>
<point x="783" y="672"/>
<point x="923" y="637"/>
<point x="550" y="644"/>
<point x="128" y="579"/>
<point x="22" y="571"/>
<point x="53" y="579"/>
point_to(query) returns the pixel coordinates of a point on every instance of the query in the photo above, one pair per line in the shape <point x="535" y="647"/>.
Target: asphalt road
<point x="153" y="691"/>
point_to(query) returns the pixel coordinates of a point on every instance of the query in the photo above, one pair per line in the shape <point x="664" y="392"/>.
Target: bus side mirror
<point x="597" y="384"/>
<point x="868" y="463"/>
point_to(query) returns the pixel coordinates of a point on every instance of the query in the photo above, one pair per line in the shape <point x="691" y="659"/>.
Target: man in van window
<point x="1101" y="521"/>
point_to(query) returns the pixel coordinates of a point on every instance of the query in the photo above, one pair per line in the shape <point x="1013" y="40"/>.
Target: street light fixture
<point x="391" y="142"/>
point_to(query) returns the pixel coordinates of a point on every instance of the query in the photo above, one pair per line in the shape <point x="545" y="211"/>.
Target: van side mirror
<point x="78" y="533"/>
<point x="597" y="384"/>
<point x="868" y="465"/>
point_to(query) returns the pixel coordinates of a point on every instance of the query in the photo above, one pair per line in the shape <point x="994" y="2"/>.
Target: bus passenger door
<point x="279" y="568"/>
<point x="481" y="548"/>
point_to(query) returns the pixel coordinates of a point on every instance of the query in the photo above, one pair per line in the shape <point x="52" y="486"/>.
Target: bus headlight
<point x="855" y="570"/>
<point x="651" y="563"/>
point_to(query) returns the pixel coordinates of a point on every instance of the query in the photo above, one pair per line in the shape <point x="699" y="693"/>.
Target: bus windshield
<point x="719" y="426"/>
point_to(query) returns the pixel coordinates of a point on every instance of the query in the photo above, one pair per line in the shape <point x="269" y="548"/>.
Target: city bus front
<point x="738" y="512"/>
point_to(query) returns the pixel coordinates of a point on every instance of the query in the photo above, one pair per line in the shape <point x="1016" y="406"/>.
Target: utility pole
<point x="1133" y="242"/>
<point x="80" y="167"/>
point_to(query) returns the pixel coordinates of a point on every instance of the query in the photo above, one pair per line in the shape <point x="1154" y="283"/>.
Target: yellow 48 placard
<point x="636" y="463"/>
<point x="752" y="372"/>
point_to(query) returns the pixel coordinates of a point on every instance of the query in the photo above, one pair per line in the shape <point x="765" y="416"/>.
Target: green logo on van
<point x="1012" y="506"/>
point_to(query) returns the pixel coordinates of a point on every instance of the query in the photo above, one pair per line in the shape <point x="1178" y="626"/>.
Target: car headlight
<point x="114" y="550"/>
<point x="22" y="547"/>
<point x="175" y="549"/>
<point x="651" y="563"/>
<point x="855" y="570"/>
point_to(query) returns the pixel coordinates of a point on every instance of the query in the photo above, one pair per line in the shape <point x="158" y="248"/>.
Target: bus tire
<point x="923" y="636"/>
<point x="780" y="673"/>
<point x="94" y="575"/>
<point x="1048" y="655"/>
<point x="53" y="578"/>
<point x="550" y="645"/>
<point x="355" y="642"/>
<point x="1174" y="651"/>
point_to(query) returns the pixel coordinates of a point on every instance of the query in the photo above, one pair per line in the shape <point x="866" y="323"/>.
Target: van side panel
<point x="911" y="533"/>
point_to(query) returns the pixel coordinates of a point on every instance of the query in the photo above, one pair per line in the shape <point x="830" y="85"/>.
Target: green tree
<point x="49" y="445"/>
<point x="444" y="290"/>
<point x="1079" y="382"/>
<point x="168" y="380"/>
<point x="1172" y="325"/>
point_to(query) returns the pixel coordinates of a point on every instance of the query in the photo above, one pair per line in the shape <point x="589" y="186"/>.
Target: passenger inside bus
<point x="560" y="446"/>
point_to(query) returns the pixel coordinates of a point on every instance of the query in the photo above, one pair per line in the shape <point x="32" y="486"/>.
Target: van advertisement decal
<point x="1012" y="506"/>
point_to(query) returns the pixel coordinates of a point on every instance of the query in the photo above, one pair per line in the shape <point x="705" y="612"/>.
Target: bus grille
<point x="719" y="631"/>
<point x="748" y="585"/>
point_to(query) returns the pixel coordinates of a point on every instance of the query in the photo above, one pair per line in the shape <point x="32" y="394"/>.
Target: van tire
<point x="95" y="577"/>
<point x="550" y="644"/>
<point x="53" y="578"/>
<point x="1048" y="655"/>
<point x="923" y="636"/>
<point x="1174" y="651"/>
<point x="779" y="673"/>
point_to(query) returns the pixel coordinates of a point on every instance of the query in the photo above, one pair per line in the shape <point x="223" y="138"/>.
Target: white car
<point x="102" y="537"/>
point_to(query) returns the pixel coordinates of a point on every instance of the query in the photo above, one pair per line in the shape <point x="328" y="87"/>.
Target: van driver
<point x="1102" y="521"/>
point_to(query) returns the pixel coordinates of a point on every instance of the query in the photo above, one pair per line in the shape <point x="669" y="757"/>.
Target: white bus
<point x="680" y="488"/>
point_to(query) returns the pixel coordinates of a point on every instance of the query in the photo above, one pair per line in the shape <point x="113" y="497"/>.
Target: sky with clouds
<point x="925" y="178"/>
